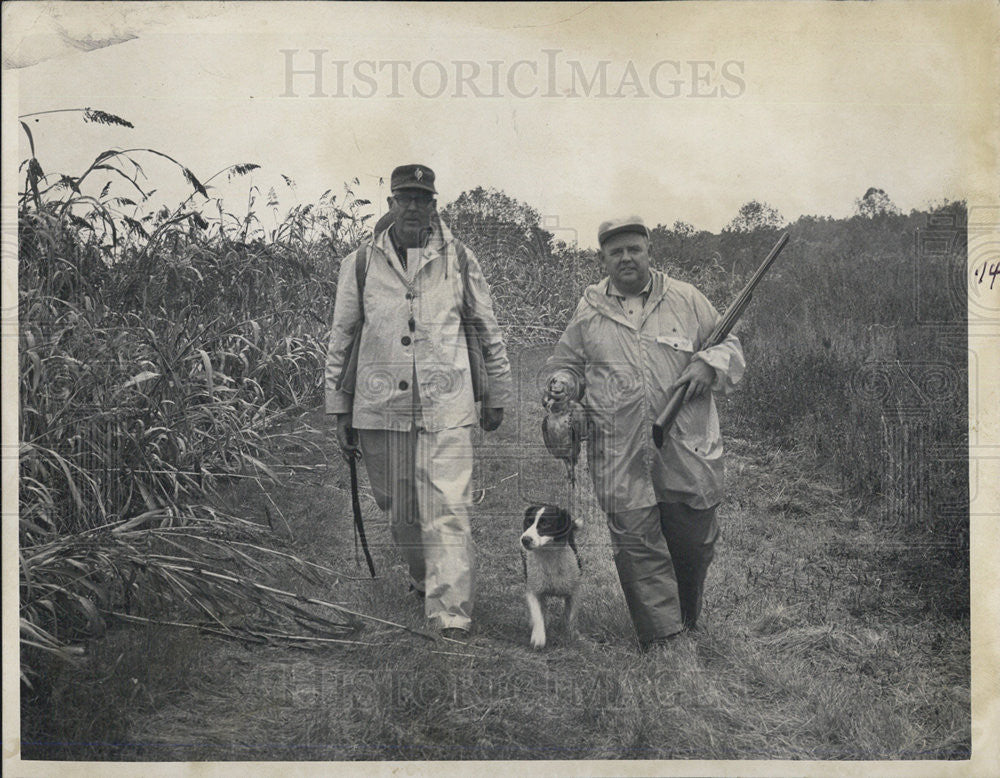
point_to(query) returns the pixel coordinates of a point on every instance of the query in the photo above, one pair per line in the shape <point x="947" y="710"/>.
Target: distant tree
<point x="956" y="209"/>
<point x="673" y="246"/>
<point x="755" y="215"/>
<point x="683" y="229"/>
<point x="875" y="202"/>
<point x="491" y="204"/>
<point x="491" y="221"/>
<point x="746" y="239"/>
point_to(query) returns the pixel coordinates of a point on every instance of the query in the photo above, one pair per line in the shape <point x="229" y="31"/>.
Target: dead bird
<point x="563" y="429"/>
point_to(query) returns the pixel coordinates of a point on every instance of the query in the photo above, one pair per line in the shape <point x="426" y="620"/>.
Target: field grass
<point x="817" y="641"/>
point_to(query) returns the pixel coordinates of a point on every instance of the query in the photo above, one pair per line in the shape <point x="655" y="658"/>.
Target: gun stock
<point x="666" y="419"/>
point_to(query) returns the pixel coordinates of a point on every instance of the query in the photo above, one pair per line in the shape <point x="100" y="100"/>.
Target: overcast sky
<point x="702" y="107"/>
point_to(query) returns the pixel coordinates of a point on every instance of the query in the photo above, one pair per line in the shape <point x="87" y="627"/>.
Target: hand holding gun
<point x="666" y="419"/>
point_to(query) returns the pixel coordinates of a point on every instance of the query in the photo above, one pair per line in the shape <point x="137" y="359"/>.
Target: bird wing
<point x="578" y="430"/>
<point x="555" y="433"/>
<point x="546" y="433"/>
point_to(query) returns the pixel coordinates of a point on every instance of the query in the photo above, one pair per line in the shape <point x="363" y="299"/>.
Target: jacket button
<point x="405" y="340"/>
<point x="404" y="385"/>
<point x="409" y="295"/>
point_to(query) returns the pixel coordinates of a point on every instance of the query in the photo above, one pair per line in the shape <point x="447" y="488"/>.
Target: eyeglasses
<point x="420" y="200"/>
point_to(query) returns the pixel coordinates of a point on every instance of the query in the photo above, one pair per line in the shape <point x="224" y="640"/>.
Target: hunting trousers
<point x="662" y="554"/>
<point x="423" y="480"/>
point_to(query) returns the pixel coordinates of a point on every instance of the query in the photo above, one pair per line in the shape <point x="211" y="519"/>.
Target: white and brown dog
<point x="551" y="566"/>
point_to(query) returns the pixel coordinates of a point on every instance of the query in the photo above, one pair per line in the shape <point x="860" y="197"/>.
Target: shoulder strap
<point x="473" y="329"/>
<point x="360" y="273"/>
<point x="463" y="268"/>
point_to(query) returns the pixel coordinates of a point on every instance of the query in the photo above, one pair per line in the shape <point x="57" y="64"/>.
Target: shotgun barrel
<point x="666" y="419"/>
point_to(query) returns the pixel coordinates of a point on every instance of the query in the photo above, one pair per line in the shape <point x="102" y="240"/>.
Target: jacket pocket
<point x="676" y="342"/>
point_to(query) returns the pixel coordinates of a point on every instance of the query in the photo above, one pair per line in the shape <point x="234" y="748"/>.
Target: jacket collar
<point x="437" y="245"/>
<point x="598" y="296"/>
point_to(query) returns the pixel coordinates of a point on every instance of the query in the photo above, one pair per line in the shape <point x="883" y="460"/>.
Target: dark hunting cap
<point x="613" y="227"/>
<point x="412" y="177"/>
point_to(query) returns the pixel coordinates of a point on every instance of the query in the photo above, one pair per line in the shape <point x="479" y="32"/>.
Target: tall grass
<point x="156" y="351"/>
<point x="858" y="358"/>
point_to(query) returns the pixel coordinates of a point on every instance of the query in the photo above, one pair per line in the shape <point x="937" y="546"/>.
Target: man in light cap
<point x="412" y="408"/>
<point x="634" y="337"/>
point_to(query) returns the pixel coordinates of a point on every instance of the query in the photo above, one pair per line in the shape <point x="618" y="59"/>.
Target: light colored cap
<point x="613" y="227"/>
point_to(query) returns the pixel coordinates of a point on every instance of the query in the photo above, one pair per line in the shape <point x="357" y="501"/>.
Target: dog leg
<point x="537" y="620"/>
<point x="569" y="617"/>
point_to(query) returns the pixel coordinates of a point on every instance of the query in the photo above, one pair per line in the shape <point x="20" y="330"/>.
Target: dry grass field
<point x="815" y="643"/>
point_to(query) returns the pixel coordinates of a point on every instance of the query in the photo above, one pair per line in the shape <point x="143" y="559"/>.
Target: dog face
<point x="545" y="524"/>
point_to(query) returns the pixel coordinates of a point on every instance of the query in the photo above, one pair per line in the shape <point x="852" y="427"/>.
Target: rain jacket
<point x="622" y="374"/>
<point x="432" y="350"/>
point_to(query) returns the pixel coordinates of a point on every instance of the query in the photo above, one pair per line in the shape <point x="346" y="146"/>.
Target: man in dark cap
<point x="412" y="408"/>
<point x="635" y="336"/>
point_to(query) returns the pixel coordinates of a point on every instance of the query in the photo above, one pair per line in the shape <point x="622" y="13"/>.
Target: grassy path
<point x="813" y="644"/>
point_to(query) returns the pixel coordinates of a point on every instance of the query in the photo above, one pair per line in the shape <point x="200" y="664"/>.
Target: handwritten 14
<point x="992" y="272"/>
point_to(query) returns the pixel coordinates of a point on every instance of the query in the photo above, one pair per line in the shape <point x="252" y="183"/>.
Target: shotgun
<point x="666" y="419"/>
<point x="352" y="458"/>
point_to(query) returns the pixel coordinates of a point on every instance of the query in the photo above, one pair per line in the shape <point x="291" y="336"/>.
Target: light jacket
<point x="622" y="374"/>
<point x="433" y="351"/>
